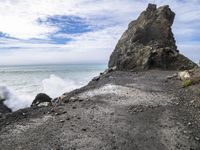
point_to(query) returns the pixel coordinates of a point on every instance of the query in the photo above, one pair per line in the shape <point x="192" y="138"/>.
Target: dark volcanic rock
<point x="41" y="98"/>
<point x="3" y="108"/>
<point x="148" y="43"/>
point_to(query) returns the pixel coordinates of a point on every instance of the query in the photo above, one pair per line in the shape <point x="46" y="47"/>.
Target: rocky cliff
<point x="149" y="43"/>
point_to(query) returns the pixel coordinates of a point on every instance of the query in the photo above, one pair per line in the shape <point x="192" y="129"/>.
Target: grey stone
<point x="149" y="43"/>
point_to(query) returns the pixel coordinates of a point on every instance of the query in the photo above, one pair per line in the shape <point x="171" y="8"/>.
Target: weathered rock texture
<point x="148" y="43"/>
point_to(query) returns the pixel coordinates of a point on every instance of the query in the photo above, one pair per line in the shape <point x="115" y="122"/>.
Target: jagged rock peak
<point x="149" y="43"/>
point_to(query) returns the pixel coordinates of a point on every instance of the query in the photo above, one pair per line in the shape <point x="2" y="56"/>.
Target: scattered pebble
<point x="192" y="101"/>
<point x="176" y="103"/>
<point x="61" y="121"/>
<point x="112" y="113"/>
<point x="56" y="114"/>
<point x="73" y="99"/>
<point x="84" y="129"/>
<point x="197" y="138"/>
<point x="185" y="132"/>
<point x="80" y="100"/>
<point x="24" y="114"/>
<point x="74" y="107"/>
<point x="64" y="112"/>
<point x="115" y="147"/>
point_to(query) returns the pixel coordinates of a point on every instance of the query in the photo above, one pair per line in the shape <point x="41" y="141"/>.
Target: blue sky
<point x="82" y="31"/>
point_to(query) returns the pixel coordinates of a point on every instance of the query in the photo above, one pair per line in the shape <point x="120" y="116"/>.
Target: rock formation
<point x="3" y="108"/>
<point x="42" y="99"/>
<point x="148" y="43"/>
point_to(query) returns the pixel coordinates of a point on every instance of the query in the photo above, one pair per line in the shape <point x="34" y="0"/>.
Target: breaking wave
<point x="54" y="86"/>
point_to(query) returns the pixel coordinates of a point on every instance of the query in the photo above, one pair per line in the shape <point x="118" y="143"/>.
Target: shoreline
<point x="146" y="107"/>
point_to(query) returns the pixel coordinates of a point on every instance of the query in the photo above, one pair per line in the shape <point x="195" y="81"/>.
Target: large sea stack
<point x="149" y="43"/>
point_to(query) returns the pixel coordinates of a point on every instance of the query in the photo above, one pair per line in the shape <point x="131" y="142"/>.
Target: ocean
<point x="20" y="84"/>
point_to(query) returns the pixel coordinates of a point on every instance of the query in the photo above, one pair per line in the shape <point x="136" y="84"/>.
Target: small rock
<point x="112" y="113"/>
<point x="80" y="100"/>
<point x="64" y="112"/>
<point x="73" y="99"/>
<point x="24" y="114"/>
<point x="61" y="121"/>
<point x="67" y="118"/>
<point x="189" y="123"/>
<point x="84" y="129"/>
<point x="57" y="114"/>
<point x="172" y="76"/>
<point x="192" y="101"/>
<point x="45" y="104"/>
<point x="184" y="75"/>
<point x="96" y="78"/>
<point x="74" y="107"/>
<point x="197" y="138"/>
<point x="185" y="132"/>
<point x="115" y="147"/>
<point x="176" y="103"/>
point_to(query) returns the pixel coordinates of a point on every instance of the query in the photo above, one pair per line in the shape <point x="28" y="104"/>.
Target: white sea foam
<point x="54" y="86"/>
<point x="20" y="84"/>
<point x="13" y="100"/>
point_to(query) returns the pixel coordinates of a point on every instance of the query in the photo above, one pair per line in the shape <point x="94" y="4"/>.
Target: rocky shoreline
<point x="122" y="110"/>
<point x="140" y="102"/>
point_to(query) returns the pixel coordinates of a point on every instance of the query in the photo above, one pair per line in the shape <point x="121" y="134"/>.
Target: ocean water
<point x="20" y="84"/>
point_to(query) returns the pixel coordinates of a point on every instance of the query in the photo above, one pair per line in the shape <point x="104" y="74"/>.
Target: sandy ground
<point x="123" y="110"/>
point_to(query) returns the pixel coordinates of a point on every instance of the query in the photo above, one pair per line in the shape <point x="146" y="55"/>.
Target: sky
<point x="83" y="31"/>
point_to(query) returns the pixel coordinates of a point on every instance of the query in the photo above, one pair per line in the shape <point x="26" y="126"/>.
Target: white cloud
<point x="19" y="16"/>
<point x="19" y="20"/>
<point x="87" y="48"/>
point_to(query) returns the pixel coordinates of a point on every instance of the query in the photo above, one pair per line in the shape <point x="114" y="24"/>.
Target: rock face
<point x="148" y="43"/>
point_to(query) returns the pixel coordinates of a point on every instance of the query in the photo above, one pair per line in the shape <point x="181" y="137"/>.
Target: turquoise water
<point x="24" y="82"/>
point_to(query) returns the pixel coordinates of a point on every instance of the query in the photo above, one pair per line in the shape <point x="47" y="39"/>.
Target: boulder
<point x="42" y="99"/>
<point x="149" y="43"/>
<point x="4" y="94"/>
<point x="184" y="75"/>
<point x="3" y="108"/>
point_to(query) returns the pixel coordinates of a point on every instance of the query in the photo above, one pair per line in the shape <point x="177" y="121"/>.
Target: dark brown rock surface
<point x="148" y="43"/>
